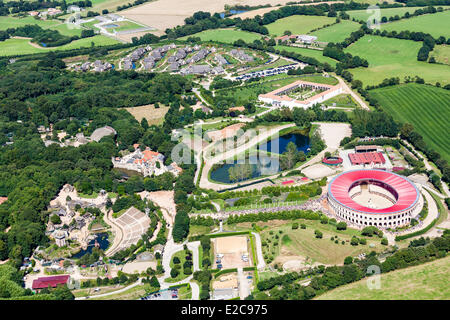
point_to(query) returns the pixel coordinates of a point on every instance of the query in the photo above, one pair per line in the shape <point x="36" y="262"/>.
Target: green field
<point x="427" y="108"/>
<point x="387" y="12"/>
<point x="390" y="57"/>
<point x="303" y="243"/>
<point x="337" y="32"/>
<point x="342" y="101"/>
<point x="124" y="26"/>
<point x="12" y="47"/>
<point x="428" y="281"/>
<point x="298" y="24"/>
<point x="436" y="24"/>
<point x="317" y="54"/>
<point x="63" y="28"/>
<point x="225" y="35"/>
<point x="250" y="92"/>
<point x="442" y="54"/>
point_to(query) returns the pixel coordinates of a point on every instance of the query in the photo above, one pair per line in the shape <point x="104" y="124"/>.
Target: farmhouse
<point x="307" y="39"/>
<point x="280" y="97"/>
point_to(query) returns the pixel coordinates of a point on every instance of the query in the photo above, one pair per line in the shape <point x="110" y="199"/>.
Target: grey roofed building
<point x="137" y="54"/>
<point x="85" y="66"/>
<point x="174" y="66"/>
<point x="99" y="133"/>
<point x="181" y="54"/>
<point x="172" y="59"/>
<point x="306" y="38"/>
<point x="198" y="56"/>
<point x="196" y="69"/>
<point x="156" y="54"/>
<point x="127" y="64"/>
<point x="217" y="70"/>
<point x="240" y="54"/>
<point x="149" y="63"/>
<point x="224" y="294"/>
<point x="220" y="59"/>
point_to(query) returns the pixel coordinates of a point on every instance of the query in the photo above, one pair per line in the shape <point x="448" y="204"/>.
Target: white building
<point x="280" y="98"/>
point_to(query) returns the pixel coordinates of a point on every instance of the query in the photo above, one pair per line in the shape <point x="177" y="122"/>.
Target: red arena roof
<point x="45" y="282"/>
<point x="407" y="193"/>
<point x="366" y="158"/>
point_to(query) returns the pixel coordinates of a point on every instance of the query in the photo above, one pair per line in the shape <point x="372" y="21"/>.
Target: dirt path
<point x="348" y="90"/>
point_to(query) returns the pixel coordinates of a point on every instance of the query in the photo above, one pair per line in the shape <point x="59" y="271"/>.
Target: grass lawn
<point x="436" y="24"/>
<point x="279" y="63"/>
<point x="124" y="26"/>
<point x="301" y="243"/>
<point x="225" y="35"/>
<point x="181" y="276"/>
<point x="298" y="24"/>
<point x="428" y="281"/>
<point x="427" y="108"/>
<point x="13" y="47"/>
<point x="317" y="54"/>
<point x="387" y="12"/>
<point x="342" y="101"/>
<point x="442" y="54"/>
<point x="390" y="57"/>
<point x="63" y="28"/>
<point x="337" y="32"/>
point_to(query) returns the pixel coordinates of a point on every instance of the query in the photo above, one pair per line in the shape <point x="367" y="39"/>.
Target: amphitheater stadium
<point x="374" y="198"/>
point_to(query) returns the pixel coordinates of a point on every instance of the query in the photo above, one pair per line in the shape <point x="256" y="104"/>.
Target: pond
<point x="112" y="25"/>
<point x="222" y="14"/>
<point x="101" y="238"/>
<point x="280" y="144"/>
<point x="264" y="165"/>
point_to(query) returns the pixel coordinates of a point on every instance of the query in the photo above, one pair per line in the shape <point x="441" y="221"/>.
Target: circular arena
<point x="374" y="198"/>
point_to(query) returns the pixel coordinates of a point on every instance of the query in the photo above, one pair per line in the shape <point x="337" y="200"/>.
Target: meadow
<point x="390" y="57"/>
<point x="441" y="53"/>
<point x="427" y="108"/>
<point x="225" y="35"/>
<point x="337" y="32"/>
<point x="13" y="47"/>
<point x="428" y="281"/>
<point x="436" y="24"/>
<point x="317" y="54"/>
<point x="303" y="244"/>
<point x="63" y="28"/>
<point x="298" y="24"/>
<point x="154" y="116"/>
<point x="387" y="12"/>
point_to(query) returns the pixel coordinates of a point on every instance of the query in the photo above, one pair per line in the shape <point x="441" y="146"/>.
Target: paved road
<point x="195" y="291"/>
<point x="137" y="283"/>
<point x="244" y="289"/>
<point x="261" y="264"/>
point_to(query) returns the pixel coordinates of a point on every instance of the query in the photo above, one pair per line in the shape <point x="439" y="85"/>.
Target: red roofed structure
<point x="53" y="281"/>
<point x="402" y="193"/>
<point x="3" y="199"/>
<point x="366" y="158"/>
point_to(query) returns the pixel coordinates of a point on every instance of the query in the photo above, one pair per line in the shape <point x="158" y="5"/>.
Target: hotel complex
<point x="280" y="97"/>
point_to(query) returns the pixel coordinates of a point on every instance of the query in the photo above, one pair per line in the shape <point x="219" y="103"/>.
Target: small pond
<point x="264" y="165"/>
<point x="101" y="238"/>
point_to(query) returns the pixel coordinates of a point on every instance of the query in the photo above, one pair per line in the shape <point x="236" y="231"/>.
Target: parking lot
<point x="167" y="294"/>
<point x="267" y="72"/>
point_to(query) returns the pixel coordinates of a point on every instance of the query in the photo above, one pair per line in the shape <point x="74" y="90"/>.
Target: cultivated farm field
<point x="428" y="281"/>
<point x="427" y="108"/>
<point x="390" y="57"/>
<point x="225" y="35"/>
<point x="317" y="54"/>
<point x="298" y="24"/>
<point x="337" y="32"/>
